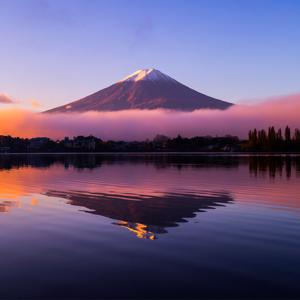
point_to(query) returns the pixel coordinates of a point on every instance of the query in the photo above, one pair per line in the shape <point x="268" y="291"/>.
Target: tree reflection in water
<point x="273" y="166"/>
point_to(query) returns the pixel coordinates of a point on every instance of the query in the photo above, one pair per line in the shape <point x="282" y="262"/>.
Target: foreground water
<point x="149" y="226"/>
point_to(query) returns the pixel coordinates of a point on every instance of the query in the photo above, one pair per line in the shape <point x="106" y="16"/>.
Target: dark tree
<point x="287" y="134"/>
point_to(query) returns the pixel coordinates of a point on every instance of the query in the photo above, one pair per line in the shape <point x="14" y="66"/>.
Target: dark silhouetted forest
<point x="270" y="140"/>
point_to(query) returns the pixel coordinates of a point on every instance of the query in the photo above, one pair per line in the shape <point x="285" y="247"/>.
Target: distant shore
<point x="259" y="141"/>
<point x="159" y="153"/>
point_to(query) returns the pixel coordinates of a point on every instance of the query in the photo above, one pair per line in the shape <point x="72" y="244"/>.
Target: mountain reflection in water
<point x="152" y="196"/>
<point x="146" y="216"/>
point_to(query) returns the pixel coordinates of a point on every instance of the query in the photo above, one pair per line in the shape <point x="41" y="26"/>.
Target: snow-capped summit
<point x="144" y="89"/>
<point x="148" y="74"/>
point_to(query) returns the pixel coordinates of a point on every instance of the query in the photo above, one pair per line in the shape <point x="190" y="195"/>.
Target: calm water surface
<point x="149" y="226"/>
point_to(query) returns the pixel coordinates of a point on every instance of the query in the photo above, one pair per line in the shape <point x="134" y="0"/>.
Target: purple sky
<point x="53" y="52"/>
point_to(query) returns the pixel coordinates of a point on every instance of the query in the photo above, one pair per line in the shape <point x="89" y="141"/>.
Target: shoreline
<point x="158" y="153"/>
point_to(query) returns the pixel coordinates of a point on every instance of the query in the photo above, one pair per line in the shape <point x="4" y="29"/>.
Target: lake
<point x="149" y="226"/>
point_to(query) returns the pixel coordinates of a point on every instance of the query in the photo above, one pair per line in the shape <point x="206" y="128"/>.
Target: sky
<point x="56" y="51"/>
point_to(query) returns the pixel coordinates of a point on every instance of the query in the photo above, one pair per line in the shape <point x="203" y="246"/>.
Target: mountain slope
<point x="144" y="89"/>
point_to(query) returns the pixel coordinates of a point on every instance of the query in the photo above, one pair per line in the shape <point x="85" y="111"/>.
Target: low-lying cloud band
<point x="143" y="124"/>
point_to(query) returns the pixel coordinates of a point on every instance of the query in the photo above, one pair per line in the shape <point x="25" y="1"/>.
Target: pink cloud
<point x="5" y="99"/>
<point x="142" y="124"/>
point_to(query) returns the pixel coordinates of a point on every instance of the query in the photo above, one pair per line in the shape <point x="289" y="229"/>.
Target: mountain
<point x="144" y="89"/>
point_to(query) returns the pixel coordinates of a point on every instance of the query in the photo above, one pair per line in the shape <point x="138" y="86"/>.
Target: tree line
<point x="270" y="140"/>
<point x="273" y="141"/>
<point x="160" y="143"/>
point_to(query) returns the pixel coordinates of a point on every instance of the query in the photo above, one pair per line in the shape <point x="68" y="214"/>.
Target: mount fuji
<point x="144" y="89"/>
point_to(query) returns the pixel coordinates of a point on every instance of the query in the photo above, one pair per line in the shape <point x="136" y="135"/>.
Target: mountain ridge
<point x="144" y="89"/>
